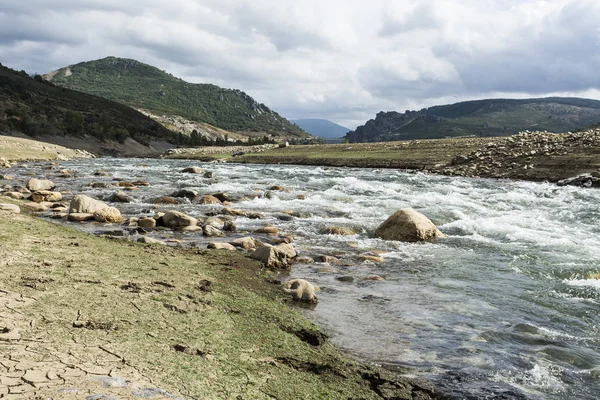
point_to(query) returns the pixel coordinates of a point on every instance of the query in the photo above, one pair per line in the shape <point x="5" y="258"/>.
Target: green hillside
<point x="143" y="86"/>
<point x="483" y="118"/>
<point x="35" y="107"/>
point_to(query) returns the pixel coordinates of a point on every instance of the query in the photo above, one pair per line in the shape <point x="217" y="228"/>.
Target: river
<point x="505" y="307"/>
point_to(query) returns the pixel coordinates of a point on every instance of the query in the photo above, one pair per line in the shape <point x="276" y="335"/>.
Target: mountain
<point x="321" y="127"/>
<point x="146" y="87"/>
<point x="37" y="108"/>
<point x="491" y="117"/>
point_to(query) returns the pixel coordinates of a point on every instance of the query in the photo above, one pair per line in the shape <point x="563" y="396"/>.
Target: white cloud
<point x="337" y="59"/>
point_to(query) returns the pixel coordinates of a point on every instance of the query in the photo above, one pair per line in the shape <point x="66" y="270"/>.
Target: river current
<point x="505" y="307"/>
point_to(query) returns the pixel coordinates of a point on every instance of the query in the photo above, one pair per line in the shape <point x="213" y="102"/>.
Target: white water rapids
<point x="505" y="307"/>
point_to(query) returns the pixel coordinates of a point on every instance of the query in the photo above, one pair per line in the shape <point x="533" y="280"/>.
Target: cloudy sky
<point x="343" y="60"/>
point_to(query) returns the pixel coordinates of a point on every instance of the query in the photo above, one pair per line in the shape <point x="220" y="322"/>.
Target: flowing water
<point x="505" y="307"/>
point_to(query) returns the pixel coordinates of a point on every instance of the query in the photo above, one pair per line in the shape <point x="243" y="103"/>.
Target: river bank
<point x="535" y="156"/>
<point x="97" y="316"/>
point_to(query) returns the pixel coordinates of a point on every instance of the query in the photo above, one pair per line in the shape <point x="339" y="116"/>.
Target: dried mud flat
<point x="89" y="317"/>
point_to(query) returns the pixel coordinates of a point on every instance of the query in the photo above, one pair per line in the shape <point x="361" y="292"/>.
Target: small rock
<point x="268" y="230"/>
<point x="110" y="215"/>
<point x="146" y="222"/>
<point x="80" y="217"/>
<point x="206" y="199"/>
<point x="221" y="246"/>
<point x="211" y="231"/>
<point x="338" y="230"/>
<point x="246" y="243"/>
<point x="120" y="197"/>
<point x="192" y="170"/>
<point x="12" y="208"/>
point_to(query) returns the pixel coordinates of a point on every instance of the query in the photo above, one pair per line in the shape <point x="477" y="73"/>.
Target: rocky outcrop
<point x="530" y="155"/>
<point x="408" y="225"/>
<point x="35" y="184"/>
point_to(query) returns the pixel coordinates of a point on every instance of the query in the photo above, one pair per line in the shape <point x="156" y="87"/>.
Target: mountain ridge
<point x="321" y="127"/>
<point x="141" y="85"/>
<point x="483" y="118"/>
<point x="37" y="108"/>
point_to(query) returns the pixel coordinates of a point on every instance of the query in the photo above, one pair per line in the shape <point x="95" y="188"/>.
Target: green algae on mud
<point x="198" y="323"/>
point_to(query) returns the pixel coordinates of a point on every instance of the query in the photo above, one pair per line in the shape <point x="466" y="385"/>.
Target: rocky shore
<point x="102" y="316"/>
<point x="533" y="156"/>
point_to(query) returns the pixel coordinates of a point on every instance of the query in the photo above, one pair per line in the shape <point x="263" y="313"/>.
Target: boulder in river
<point x="85" y="204"/>
<point x="45" y="195"/>
<point x="212" y="231"/>
<point x="120" y="197"/>
<point x="206" y="199"/>
<point x="246" y="243"/>
<point x="35" y="184"/>
<point x="338" y="230"/>
<point x="176" y="219"/>
<point x="301" y="290"/>
<point x="408" y="225"/>
<point x="280" y="256"/>
<point x="110" y="215"/>
<point x="147" y="222"/>
<point x="221" y="246"/>
<point x="186" y="193"/>
<point x="192" y="170"/>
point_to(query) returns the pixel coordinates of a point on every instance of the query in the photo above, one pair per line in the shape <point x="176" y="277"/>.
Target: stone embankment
<point x="532" y="155"/>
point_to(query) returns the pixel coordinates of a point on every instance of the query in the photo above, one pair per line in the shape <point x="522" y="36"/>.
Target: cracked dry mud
<point x="34" y="367"/>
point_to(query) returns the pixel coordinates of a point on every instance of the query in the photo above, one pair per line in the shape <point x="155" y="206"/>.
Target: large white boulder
<point x="85" y="204"/>
<point x="408" y="225"/>
<point x="35" y="184"/>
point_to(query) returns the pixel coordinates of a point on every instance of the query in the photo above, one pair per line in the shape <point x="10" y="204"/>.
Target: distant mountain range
<point x="321" y="128"/>
<point x="145" y="87"/>
<point x="491" y="117"/>
<point x="40" y="109"/>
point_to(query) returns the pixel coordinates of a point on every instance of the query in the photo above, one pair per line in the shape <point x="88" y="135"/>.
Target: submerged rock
<point x="192" y="170"/>
<point x="408" y="225"/>
<point x="338" y="230"/>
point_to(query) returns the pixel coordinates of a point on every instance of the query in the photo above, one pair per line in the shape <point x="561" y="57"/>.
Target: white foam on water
<point x="542" y="378"/>
<point x="594" y="283"/>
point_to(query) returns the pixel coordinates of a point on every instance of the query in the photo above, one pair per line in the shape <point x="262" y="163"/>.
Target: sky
<point x="342" y="60"/>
